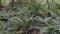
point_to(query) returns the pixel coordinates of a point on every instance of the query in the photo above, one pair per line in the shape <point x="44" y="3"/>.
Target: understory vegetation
<point x="29" y="16"/>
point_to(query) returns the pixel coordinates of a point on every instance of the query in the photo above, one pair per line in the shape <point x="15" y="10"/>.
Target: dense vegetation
<point x="29" y="16"/>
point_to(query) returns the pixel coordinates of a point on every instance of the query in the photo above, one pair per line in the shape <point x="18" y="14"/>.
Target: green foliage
<point x="25" y="16"/>
<point x="5" y="2"/>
